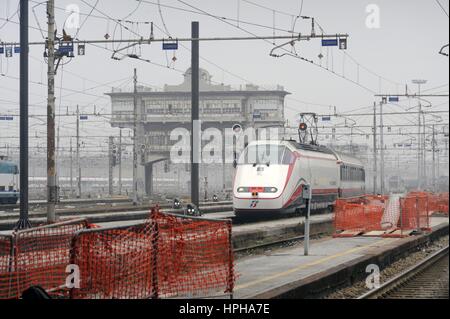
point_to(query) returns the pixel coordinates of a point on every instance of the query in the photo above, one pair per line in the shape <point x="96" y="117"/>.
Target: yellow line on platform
<point x="314" y="263"/>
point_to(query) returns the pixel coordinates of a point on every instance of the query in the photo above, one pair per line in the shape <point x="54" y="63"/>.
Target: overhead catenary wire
<point x="324" y="105"/>
<point x="442" y="7"/>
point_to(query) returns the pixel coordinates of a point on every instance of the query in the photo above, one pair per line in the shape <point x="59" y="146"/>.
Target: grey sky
<point x="405" y="47"/>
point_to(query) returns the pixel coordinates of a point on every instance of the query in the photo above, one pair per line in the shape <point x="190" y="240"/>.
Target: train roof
<point x="349" y="159"/>
<point x="8" y="168"/>
<point x="312" y="148"/>
<point x="344" y="158"/>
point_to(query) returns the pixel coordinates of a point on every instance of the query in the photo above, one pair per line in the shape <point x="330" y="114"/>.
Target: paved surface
<point x="258" y="274"/>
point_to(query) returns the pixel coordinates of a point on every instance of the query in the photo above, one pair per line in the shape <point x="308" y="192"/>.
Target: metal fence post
<point x="230" y="287"/>
<point x="417" y="213"/>
<point x="154" y="272"/>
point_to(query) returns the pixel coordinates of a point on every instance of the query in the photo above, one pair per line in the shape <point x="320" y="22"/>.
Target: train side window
<point x="2" y="188"/>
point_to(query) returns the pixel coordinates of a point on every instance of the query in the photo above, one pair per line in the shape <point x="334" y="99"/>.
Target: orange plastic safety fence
<point x="433" y="202"/>
<point x="358" y="217"/>
<point x="376" y="200"/>
<point x="443" y="203"/>
<point x="166" y="257"/>
<point x="37" y="256"/>
<point x="6" y="266"/>
<point x="415" y="213"/>
<point x="194" y="256"/>
<point x="379" y="200"/>
<point x="114" y="263"/>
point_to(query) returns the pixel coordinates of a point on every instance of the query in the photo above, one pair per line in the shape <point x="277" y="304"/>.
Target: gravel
<point x="359" y="288"/>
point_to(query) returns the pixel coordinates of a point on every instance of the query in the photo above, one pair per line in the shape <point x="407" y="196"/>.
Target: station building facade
<point x="221" y="106"/>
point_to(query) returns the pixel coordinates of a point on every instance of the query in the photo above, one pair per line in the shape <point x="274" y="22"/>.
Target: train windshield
<point x="8" y="168"/>
<point x="266" y="154"/>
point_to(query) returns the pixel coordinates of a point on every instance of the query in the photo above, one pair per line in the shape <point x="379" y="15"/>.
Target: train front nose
<point x="259" y="187"/>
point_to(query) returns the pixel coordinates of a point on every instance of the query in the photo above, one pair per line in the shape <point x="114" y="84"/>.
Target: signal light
<point x="237" y="128"/>
<point x="303" y="127"/>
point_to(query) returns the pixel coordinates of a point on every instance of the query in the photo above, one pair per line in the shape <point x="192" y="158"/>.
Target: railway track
<point x="102" y="214"/>
<point x="426" y="280"/>
<point x="42" y="203"/>
<point x="271" y="244"/>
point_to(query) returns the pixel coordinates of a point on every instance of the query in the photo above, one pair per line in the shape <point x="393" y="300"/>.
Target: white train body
<point x="270" y="176"/>
<point x="9" y="183"/>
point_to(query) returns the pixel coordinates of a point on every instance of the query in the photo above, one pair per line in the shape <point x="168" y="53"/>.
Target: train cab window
<point x="264" y="154"/>
<point x="288" y="157"/>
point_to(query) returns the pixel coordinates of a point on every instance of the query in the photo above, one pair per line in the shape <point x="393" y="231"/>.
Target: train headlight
<point x="177" y="203"/>
<point x="192" y="210"/>
<point x="274" y="190"/>
<point x="242" y="190"/>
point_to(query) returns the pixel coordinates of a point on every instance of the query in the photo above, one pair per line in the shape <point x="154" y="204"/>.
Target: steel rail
<point x="407" y="275"/>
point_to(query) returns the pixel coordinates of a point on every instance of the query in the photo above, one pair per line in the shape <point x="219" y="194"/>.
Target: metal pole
<point x="434" y="158"/>
<point x="135" y="154"/>
<point x="307" y="219"/>
<point x="420" y="138"/>
<point x="23" y="220"/>
<point x="224" y="165"/>
<point x="195" y="140"/>
<point x="419" y="147"/>
<point x="110" y="171"/>
<point x="71" y="168"/>
<point x="375" y="152"/>
<point x="51" y="163"/>
<point x="57" y="160"/>
<point x="424" y="153"/>
<point x="78" y="155"/>
<point x="438" y="166"/>
<point x="382" y="149"/>
<point x="120" y="162"/>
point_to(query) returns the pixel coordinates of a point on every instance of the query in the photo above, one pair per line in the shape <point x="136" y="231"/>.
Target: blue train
<point x="9" y="182"/>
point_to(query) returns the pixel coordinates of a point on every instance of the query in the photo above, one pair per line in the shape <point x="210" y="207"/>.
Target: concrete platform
<point x="285" y="273"/>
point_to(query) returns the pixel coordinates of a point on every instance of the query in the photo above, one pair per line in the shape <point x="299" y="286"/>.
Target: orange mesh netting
<point x="414" y="212"/>
<point x="38" y="256"/>
<point x="114" y="263"/>
<point x="166" y="257"/>
<point x="357" y="217"/>
<point x="194" y="256"/>
<point x="6" y="266"/>
<point x="438" y="203"/>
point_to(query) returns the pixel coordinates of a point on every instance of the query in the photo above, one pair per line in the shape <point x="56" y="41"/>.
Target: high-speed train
<point x="9" y="182"/>
<point x="270" y="176"/>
